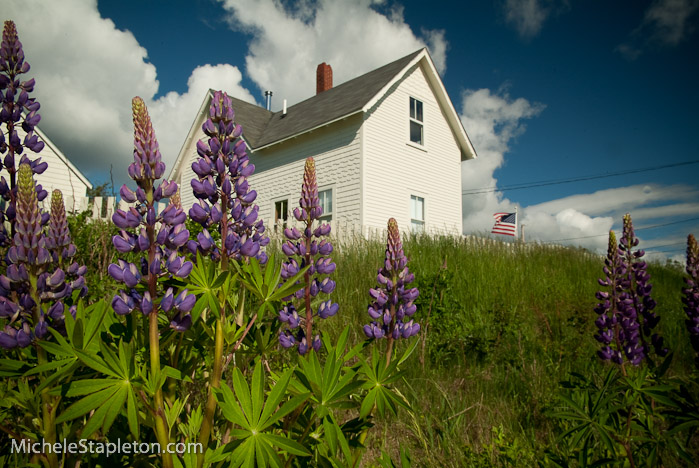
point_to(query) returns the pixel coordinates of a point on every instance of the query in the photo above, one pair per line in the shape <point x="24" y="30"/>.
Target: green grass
<point x="506" y="324"/>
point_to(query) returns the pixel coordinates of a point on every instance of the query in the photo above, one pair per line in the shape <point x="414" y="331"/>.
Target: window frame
<point x="327" y="217"/>
<point x="415" y="222"/>
<point x="284" y="220"/>
<point x="413" y="119"/>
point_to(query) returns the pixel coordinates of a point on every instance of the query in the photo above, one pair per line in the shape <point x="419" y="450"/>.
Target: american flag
<point x="505" y="223"/>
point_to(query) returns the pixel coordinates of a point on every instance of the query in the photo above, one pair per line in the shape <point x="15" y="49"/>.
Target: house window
<point x="416" y="122"/>
<point x="417" y="213"/>
<point x="281" y="214"/>
<point x="326" y="202"/>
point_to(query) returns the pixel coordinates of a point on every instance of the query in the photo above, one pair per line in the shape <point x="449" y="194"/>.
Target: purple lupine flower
<point x="18" y="109"/>
<point x="307" y="248"/>
<point x="225" y="200"/>
<point x="140" y="233"/>
<point x="392" y="303"/>
<point x="616" y="321"/>
<point x="691" y="295"/>
<point x="35" y="284"/>
<point x="639" y="289"/>
<point x="59" y="244"/>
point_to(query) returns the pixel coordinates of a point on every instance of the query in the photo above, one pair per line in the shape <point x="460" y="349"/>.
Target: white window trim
<point x="420" y="122"/>
<point x="424" y="212"/>
<point x="333" y="213"/>
<point x="286" y="198"/>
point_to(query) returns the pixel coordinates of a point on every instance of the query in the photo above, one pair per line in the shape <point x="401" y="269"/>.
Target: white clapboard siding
<point x="336" y="151"/>
<point x="279" y="170"/>
<point x="394" y="169"/>
<point x="60" y="174"/>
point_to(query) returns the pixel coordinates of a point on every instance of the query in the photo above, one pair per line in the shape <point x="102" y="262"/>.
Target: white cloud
<point x="666" y="23"/>
<point x="87" y="71"/>
<point x="172" y="114"/>
<point x="493" y="121"/>
<point x="634" y="199"/>
<point x="528" y="16"/>
<point x="288" y="42"/>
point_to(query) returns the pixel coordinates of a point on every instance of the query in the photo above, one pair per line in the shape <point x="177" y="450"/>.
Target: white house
<point x="60" y="174"/>
<point x="386" y="144"/>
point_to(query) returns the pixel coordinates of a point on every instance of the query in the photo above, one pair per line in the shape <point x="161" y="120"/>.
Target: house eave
<point x="317" y="127"/>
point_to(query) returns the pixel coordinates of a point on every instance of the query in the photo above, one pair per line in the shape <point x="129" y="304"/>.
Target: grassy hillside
<point x="502" y="326"/>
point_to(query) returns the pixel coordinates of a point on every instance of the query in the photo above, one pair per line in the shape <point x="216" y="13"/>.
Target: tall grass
<point x="507" y="323"/>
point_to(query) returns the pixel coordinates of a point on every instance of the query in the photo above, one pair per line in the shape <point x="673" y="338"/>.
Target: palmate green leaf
<point x="266" y="287"/>
<point x="82" y="387"/>
<point x="70" y="366"/>
<point x="287" y="445"/>
<point x="242" y="393"/>
<point x="230" y="408"/>
<point x="105" y="415"/>
<point x="96" y="363"/>
<point x="132" y="414"/>
<point x="89" y="403"/>
<point x="258" y="395"/>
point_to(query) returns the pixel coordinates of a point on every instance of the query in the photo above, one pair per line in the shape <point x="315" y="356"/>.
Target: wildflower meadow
<point x="193" y="339"/>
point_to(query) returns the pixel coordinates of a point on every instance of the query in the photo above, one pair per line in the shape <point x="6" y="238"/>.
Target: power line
<point x="573" y="179"/>
<point x="635" y="229"/>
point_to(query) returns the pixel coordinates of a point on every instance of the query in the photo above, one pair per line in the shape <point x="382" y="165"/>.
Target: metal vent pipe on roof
<point x="268" y="98"/>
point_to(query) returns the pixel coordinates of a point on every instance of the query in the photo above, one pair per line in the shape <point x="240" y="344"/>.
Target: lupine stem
<point x="214" y="382"/>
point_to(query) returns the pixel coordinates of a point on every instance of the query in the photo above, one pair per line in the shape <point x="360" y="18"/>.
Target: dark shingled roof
<point x="262" y="127"/>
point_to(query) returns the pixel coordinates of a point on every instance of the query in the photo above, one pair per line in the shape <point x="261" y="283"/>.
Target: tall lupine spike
<point x="18" y="109"/>
<point x="393" y="302"/>
<point x="639" y="289"/>
<point x="33" y="289"/>
<point x="139" y="234"/>
<point x="616" y="321"/>
<point x="226" y="202"/>
<point x="303" y="249"/>
<point x="691" y="294"/>
<point x="61" y="247"/>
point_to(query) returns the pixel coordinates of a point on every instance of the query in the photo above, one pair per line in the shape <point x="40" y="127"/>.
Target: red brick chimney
<point x="324" y="78"/>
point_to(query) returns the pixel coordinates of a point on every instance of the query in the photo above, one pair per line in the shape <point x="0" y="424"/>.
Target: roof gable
<point x="263" y="128"/>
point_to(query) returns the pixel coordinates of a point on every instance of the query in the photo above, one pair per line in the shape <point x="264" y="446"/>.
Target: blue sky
<point x="546" y="89"/>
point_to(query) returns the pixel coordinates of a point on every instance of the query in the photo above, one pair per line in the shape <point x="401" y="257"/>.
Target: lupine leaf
<point x="288" y="445"/>
<point x="287" y="408"/>
<point x="257" y="394"/>
<point x="229" y="406"/>
<point x="275" y="397"/>
<point x="132" y="414"/>
<point x="96" y="363"/>
<point x="96" y="318"/>
<point x="242" y="392"/>
<point x="47" y="366"/>
<point x="82" y="387"/>
<point x="88" y="403"/>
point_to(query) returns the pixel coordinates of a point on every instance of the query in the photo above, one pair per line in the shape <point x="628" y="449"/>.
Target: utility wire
<point x="635" y="229"/>
<point x="573" y="179"/>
